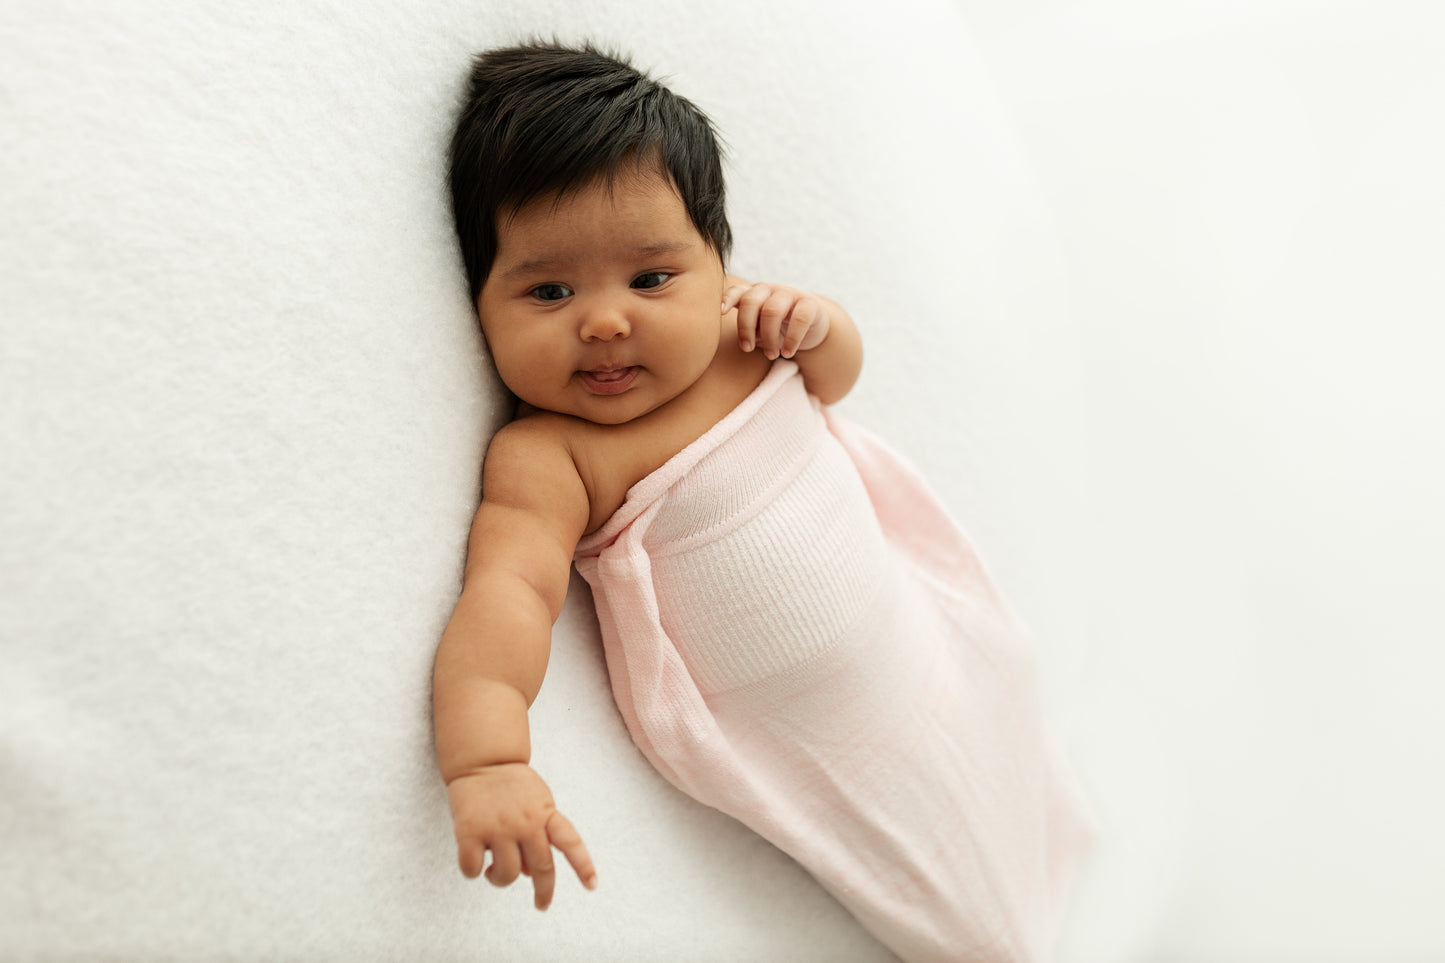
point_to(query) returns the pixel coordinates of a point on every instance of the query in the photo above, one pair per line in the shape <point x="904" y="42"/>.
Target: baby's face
<point x="605" y="306"/>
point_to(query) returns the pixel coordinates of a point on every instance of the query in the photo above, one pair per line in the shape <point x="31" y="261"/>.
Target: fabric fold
<point x="798" y="635"/>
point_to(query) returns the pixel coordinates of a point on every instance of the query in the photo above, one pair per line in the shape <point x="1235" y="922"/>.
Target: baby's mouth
<point x="610" y="381"/>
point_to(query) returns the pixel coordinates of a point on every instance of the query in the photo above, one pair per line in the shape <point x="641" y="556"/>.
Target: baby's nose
<point x="604" y="325"/>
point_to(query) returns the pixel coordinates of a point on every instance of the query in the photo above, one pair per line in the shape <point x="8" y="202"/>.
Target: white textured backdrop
<point x="1250" y="207"/>
<point x="244" y="408"/>
<point x="1152" y="292"/>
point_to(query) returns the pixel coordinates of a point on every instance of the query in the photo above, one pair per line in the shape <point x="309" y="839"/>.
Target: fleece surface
<point x="243" y="403"/>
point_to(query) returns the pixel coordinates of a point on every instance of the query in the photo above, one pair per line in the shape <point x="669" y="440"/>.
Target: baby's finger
<point x="537" y="863"/>
<point x="772" y="320"/>
<point x="748" y="304"/>
<point x="471" y="854"/>
<point x="803" y="316"/>
<point x="731" y="296"/>
<point x="506" y="864"/>
<point x="562" y="835"/>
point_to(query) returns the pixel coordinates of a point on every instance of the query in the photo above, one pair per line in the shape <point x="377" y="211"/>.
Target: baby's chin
<point x="525" y="409"/>
<point x="620" y="416"/>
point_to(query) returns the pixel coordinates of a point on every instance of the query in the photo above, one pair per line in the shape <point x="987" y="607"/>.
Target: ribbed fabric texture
<point x="728" y="576"/>
<point x="798" y="635"/>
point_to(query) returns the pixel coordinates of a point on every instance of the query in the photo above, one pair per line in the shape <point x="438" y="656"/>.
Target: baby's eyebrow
<point x="547" y="265"/>
<point x="660" y="248"/>
<point x="534" y="266"/>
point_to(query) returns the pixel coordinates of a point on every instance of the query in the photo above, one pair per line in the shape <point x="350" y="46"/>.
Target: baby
<point x="795" y="632"/>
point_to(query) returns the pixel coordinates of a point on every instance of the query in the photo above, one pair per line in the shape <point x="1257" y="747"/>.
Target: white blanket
<point x="243" y="403"/>
<point x="244" y="407"/>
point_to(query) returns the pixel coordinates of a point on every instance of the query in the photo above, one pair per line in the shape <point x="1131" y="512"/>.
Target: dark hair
<point x="542" y="119"/>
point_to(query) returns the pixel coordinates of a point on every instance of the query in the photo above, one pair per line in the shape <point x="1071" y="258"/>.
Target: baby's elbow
<point x="830" y="394"/>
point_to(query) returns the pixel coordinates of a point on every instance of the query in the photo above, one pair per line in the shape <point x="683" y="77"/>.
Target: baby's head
<point x="589" y="204"/>
<point x="543" y="120"/>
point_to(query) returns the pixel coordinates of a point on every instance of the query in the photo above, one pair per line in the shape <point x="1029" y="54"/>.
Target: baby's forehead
<point x="625" y="186"/>
<point x="627" y="211"/>
<point x="622" y="228"/>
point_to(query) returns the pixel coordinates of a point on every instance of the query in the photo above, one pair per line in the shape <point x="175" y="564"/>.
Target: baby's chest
<point x="615" y="458"/>
<point x="613" y="461"/>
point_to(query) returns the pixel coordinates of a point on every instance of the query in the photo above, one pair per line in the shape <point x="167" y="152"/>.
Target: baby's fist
<point x="779" y="319"/>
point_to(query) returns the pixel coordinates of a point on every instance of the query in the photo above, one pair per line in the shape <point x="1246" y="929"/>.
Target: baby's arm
<point x="809" y="328"/>
<point x="492" y="657"/>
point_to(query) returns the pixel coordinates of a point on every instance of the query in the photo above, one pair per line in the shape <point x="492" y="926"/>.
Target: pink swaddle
<point x="799" y="636"/>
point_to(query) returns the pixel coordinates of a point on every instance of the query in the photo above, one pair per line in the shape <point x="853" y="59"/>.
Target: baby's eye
<point x="551" y="292"/>
<point x="651" y="279"/>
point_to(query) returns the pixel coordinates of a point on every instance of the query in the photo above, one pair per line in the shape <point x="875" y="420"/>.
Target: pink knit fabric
<point x="798" y="635"/>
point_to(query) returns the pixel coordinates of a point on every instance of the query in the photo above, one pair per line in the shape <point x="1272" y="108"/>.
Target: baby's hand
<point x="508" y="809"/>
<point x="779" y="319"/>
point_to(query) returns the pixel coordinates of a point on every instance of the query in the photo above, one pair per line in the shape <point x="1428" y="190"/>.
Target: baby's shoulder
<point x="532" y="447"/>
<point x="545" y="451"/>
<point x="535" y="429"/>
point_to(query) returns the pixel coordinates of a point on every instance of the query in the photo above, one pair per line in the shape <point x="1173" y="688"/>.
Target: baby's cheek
<point x="520" y="375"/>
